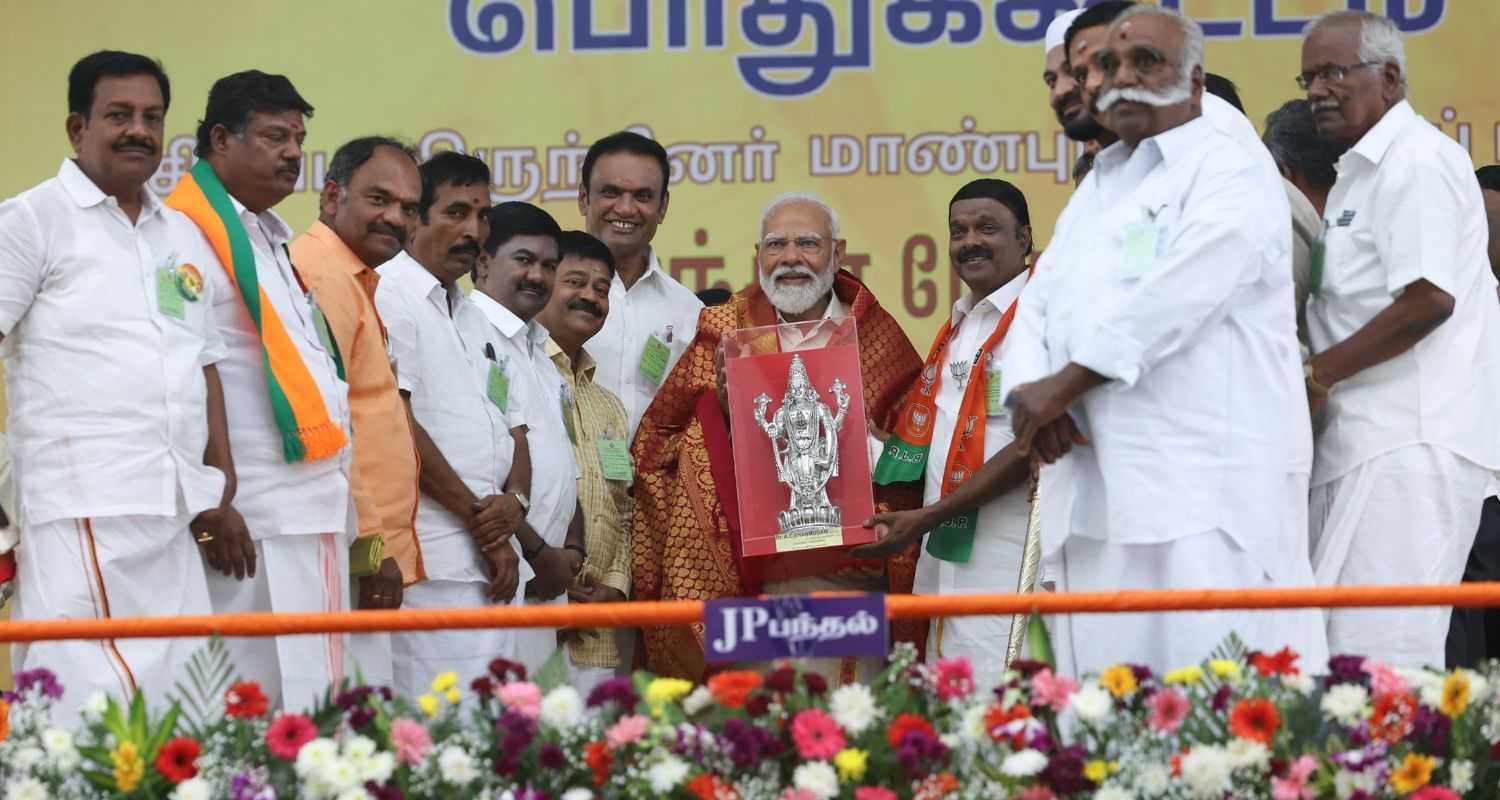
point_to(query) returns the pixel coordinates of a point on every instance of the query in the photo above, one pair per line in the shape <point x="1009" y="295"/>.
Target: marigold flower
<point x="428" y="704"/>
<point x="1096" y="771"/>
<point x="1414" y="773"/>
<point x="1224" y="667"/>
<point x="1187" y="676"/>
<point x="1119" y="680"/>
<point x="1256" y="719"/>
<point x="851" y="764"/>
<point x="245" y="700"/>
<point x="1455" y="696"/>
<point x="176" y="760"/>
<point x="661" y="691"/>
<point x="731" y="689"/>
<point x="129" y="767"/>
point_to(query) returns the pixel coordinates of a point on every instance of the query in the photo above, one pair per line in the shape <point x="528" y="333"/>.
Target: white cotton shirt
<point x="275" y="497"/>
<point x="442" y="363"/>
<point x="108" y="405"/>
<point x="650" y="307"/>
<point x="1001" y="526"/>
<point x="554" y="472"/>
<point x="1406" y="207"/>
<point x="1198" y="345"/>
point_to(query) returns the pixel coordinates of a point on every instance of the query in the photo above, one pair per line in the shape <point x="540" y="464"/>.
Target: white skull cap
<point x="1058" y="30"/>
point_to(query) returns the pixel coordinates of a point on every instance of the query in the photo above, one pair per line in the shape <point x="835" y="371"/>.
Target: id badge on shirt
<point x="654" y="357"/>
<point x="1140" y="249"/>
<point x="566" y="401"/>
<point x="169" y="300"/>
<point x="614" y="459"/>
<point x="497" y="387"/>
<point x="994" y="404"/>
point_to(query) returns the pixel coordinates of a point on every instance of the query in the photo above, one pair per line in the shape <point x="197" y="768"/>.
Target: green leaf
<point x="164" y="730"/>
<point x="138" y="720"/>
<point x="114" y="720"/>
<point x="553" y="672"/>
<point x="1039" y="641"/>
<point x="1233" y="648"/>
<point x="210" y="673"/>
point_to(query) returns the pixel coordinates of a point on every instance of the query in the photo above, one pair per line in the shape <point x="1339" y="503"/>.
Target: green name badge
<point x="498" y="387"/>
<point x="654" y="358"/>
<point x="994" y="405"/>
<point x="567" y="415"/>
<point x="168" y="299"/>
<point x="614" y="459"/>
<point x="1140" y="249"/>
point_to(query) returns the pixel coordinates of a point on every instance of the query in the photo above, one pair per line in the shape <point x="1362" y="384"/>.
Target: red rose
<point x="175" y="760"/>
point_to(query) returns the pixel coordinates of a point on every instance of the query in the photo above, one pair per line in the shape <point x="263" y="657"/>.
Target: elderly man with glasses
<point x="1405" y="332"/>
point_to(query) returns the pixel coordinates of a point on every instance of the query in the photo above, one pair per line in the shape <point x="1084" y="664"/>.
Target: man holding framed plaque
<point x="687" y="537"/>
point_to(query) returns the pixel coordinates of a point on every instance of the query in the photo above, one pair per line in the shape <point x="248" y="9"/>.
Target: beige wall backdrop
<point x="885" y="113"/>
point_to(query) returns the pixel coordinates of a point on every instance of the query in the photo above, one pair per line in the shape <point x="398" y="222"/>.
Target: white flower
<point x="817" y="777"/>
<point x="697" y="701"/>
<point x="562" y="707"/>
<point x="950" y="740"/>
<point x="1091" y="703"/>
<point x="1153" y="780"/>
<point x="340" y="774"/>
<point x="1461" y="776"/>
<point x="359" y="749"/>
<point x="456" y="766"/>
<point x="59" y="744"/>
<point x="28" y="756"/>
<point x="1023" y="764"/>
<point x="853" y="708"/>
<point x="315" y="755"/>
<point x="972" y="728"/>
<point x="1427" y="685"/>
<point x="193" y="789"/>
<point x="578" y="793"/>
<point x="666" y="774"/>
<point x="1248" y="754"/>
<point x="1206" y="771"/>
<point x="378" y="768"/>
<point x="1113" y="793"/>
<point x="1346" y="783"/>
<point x="1300" y="683"/>
<point x="1346" y="703"/>
<point x="357" y="793"/>
<point x="94" y="707"/>
<point x="26" y="789"/>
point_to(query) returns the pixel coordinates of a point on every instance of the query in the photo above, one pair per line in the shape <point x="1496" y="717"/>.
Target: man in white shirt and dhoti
<point x="1157" y="343"/>
<point x="111" y="357"/>
<point x="1405" y="329"/>
<point x="285" y="394"/>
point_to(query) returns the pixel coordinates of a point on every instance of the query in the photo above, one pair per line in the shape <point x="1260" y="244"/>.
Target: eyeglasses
<point x="807" y="245"/>
<point x="1332" y="73"/>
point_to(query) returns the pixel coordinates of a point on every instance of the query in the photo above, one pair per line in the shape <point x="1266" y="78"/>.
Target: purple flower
<point x="507" y="766"/>
<point x="516" y="732"/>
<point x="1041" y="740"/>
<point x="816" y="684"/>
<point x="353" y="697"/>
<point x="1360" y="794"/>
<point x="1064" y="772"/>
<point x="251" y="785"/>
<point x="615" y="690"/>
<point x="530" y="793"/>
<point x="738" y="739"/>
<point x="1142" y="673"/>
<point x="552" y="757"/>
<point x="782" y="679"/>
<point x="501" y="667"/>
<point x="40" y="679"/>
<point x="1346" y="669"/>
<point x="1429" y="730"/>
<point x="386" y="792"/>
<point x="919" y="753"/>
<point x="1221" y="699"/>
<point x="361" y="717"/>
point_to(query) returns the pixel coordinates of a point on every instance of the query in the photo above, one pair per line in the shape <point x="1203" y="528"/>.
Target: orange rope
<point x="682" y="612"/>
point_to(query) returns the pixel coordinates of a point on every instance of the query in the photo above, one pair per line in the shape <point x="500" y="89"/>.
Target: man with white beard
<point x="686" y="506"/>
<point x="1153" y="340"/>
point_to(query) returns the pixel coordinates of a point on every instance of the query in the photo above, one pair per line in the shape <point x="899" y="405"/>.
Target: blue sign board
<point x="767" y="628"/>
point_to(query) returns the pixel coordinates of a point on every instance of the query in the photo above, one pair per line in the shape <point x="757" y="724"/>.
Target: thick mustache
<point x="389" y="230"/>
<point x="585" y="305"/>
<point x="977" y="250"/>
<point x="465" y="248"/>
<point x="136" y="144"/>
<point x="529" y="286"/>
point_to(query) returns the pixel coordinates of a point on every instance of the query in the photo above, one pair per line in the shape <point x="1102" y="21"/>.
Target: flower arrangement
<point x="1239" y="725"/>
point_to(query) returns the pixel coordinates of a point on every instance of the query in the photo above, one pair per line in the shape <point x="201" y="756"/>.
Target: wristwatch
<point x="521" y="498"/>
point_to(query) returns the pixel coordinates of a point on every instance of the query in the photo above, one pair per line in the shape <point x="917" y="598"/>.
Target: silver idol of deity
<point x="804" y="436"/>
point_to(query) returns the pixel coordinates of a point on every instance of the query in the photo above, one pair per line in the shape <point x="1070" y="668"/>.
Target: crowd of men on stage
<point x="1240" y="362"/>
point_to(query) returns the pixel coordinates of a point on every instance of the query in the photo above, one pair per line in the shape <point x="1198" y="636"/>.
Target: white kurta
<point x="108" y="423"/>
<point x="554" y="473"/>
<point x="1170" y="275"/>
<point x="1407" y="445"/>
<point x="442" y="345"/>
<point x="1000" y="534"/>
<point x="656" y="305"/>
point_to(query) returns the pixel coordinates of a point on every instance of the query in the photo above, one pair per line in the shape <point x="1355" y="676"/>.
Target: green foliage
<point x="210" y="673"/>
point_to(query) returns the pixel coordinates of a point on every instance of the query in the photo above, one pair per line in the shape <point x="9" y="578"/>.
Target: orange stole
<point x="682" y="536"/>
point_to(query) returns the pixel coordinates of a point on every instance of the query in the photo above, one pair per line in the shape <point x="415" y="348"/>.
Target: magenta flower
<point x="1434" y="793"/>
<point x="817" y="735"/>
<point x="874" y="793"/>
<point x="411" y="741"/>
<point x="522" y="697"/>
<point x="627" y="730"/>
<point x="1294" y="785"/>
<point x="1052" y="690"/>
<point x="1383" y="678"/>
<point x="288" y="733"/>
<point x="953" y="678"/>
<point x="1169" y="708"/>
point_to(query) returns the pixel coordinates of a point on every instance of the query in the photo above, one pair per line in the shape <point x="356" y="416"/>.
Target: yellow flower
<point x="1119" y="680"/>
<point x="1455" y="694"/>
<point x="1414" y="773"/>
<point x="662" y="691"/>
<point x="851" y="764"/>
<point x="453" y="696"/>
<point x="1096" y="771"/>
<point x="1188" y="675"/>
<point x="1224" y="668"/>
<point x="444" y="682"/>
<point x="429" y="705"/>
<point x="129" y="767"/>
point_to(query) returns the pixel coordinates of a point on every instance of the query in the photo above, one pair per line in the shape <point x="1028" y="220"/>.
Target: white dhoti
<point x="584" y="679"/>
<point x="306" y="573"/>
<point x="420" y="656"/>
<point x="533" y="646"/>
<point x="1406" y="517"/>
<point x="132" y="566"/>
<point x="1169" y="640"/>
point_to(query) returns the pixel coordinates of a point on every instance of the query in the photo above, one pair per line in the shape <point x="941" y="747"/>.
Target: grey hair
<point x="1192" y="35"/>
<point x="801" y="197"/>
<point x="1380" y="41"/>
